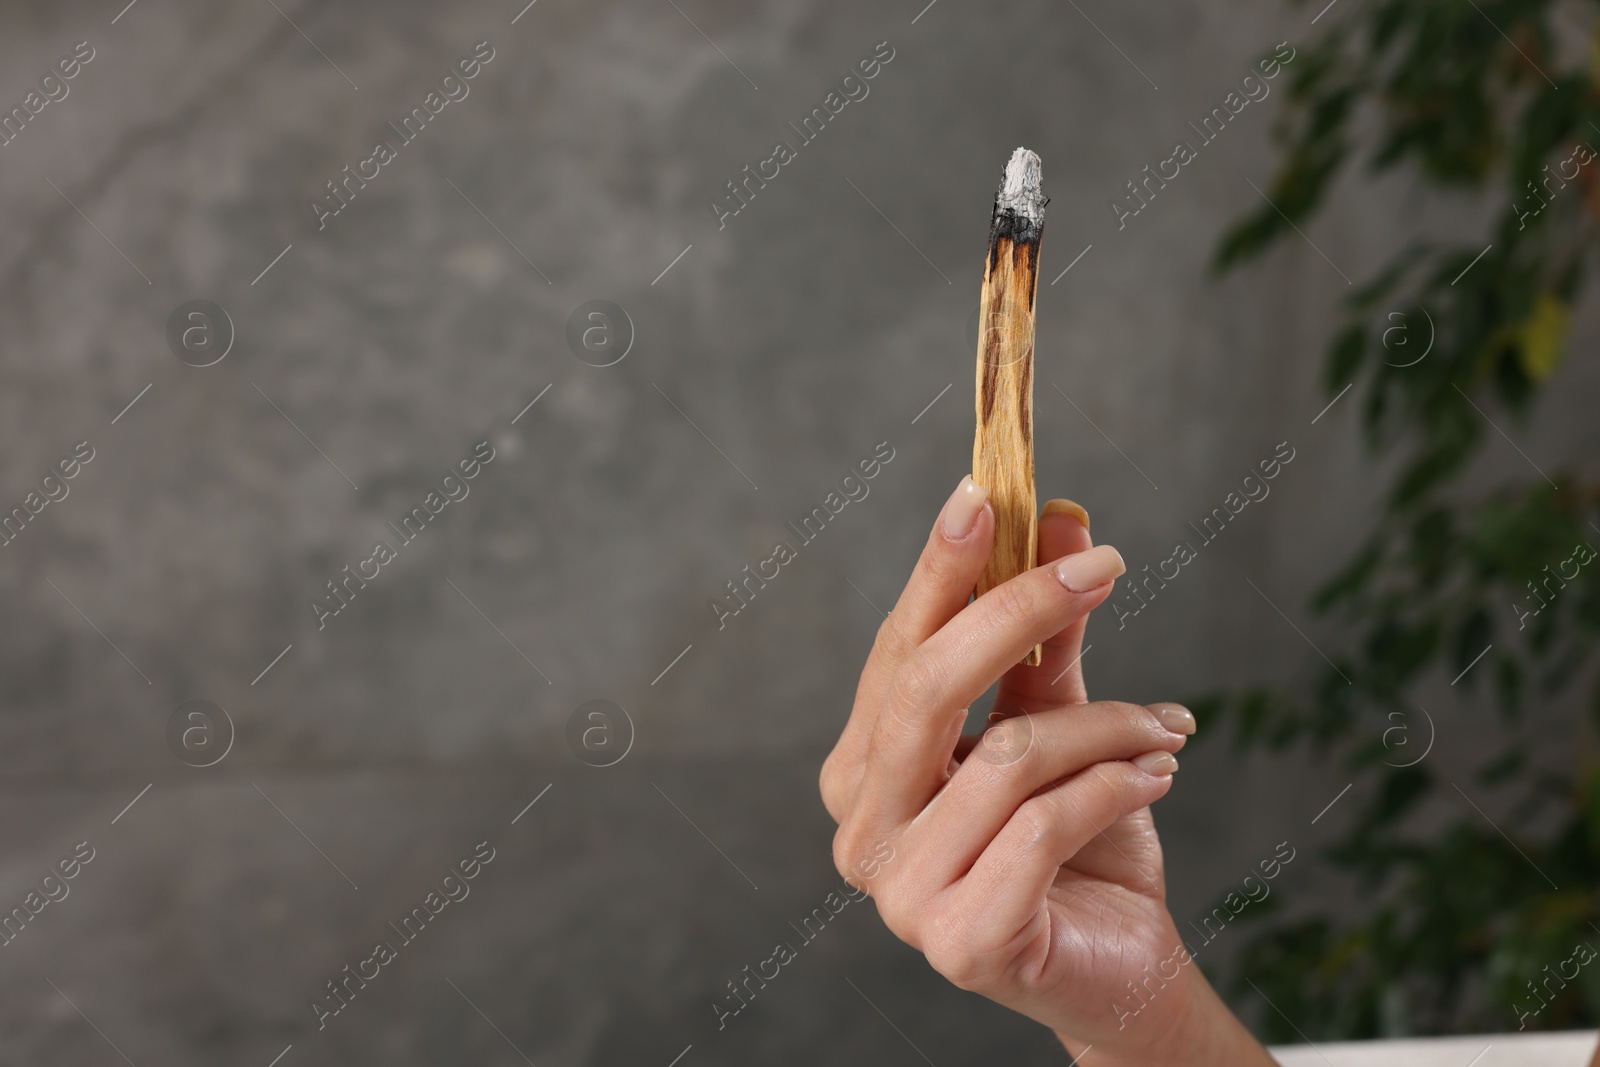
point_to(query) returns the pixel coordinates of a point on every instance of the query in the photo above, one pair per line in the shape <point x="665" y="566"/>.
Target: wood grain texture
<point x="1002" y="449"/>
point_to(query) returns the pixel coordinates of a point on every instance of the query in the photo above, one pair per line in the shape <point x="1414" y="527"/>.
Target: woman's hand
<point x="1025" y="866"/>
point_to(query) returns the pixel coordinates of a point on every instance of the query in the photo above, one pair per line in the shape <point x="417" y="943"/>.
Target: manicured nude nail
<point x="962" y="509"/>
<point x="1060" y="506"/>
<point x="1083" y="571"/>
<point x="1175" y="717"/>
<point x="1159" y="764"/>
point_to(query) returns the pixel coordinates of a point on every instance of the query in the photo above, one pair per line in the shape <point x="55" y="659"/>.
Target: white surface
<point x="1022" y="189"/>
<point x="1504" y="1050"/>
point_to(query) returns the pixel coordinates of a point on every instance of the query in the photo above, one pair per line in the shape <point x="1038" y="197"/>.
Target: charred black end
<point x="1008" y="222"/>
<point x="1020" y="233"/>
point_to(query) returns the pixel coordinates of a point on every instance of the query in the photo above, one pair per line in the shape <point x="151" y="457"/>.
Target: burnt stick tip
<point x="1019" y="205"/>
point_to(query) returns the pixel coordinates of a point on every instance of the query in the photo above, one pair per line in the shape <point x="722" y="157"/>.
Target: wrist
<point x="1182" y="1024"/>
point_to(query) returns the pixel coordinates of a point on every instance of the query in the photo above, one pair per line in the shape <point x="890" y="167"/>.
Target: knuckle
<point x="1038" y="820"/>
<point x="862" y="859"/>
<point x="1137" y="721"/>
<point x="941" y="563"/>
<point x="1015" y="603"/>
<point x="875" y="870"/>
<point x="1013" y="747"/>
<point x="1120" y="710"/>
<point x="891" y="644"/>
<point x="918" y="685"/>
<point x="898" y="916"/>
<point x="950" y="951"/>
<point x="1100" y="801"/>
<point x="1080" y="807"/>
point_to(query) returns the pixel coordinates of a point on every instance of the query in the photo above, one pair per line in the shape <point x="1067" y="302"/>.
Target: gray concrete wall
<point x="774" y="354"/>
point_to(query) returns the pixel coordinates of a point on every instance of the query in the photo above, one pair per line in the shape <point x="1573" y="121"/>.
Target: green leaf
<point x="1449" y="920"/>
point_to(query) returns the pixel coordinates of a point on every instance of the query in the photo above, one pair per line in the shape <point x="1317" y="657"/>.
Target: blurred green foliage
<point x="1484" y="103"/>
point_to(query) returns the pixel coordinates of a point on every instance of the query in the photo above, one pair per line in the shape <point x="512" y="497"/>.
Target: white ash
<point x="1021" y="190"/>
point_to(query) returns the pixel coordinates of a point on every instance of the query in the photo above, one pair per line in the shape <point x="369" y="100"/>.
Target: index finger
<point x="917" y="732"/>
<point x="939" y="587"/>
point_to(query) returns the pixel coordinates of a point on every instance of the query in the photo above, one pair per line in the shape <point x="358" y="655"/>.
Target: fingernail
<point x="1084" y="571"/>
<point x="1159" y="764"/>
<point x="962" y="509"/>
<point x="1175" y="717"/>
<point x="1059" y="506"/>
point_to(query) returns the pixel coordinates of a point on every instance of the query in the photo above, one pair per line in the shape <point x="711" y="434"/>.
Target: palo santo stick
<point x="1002" y="450"/>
